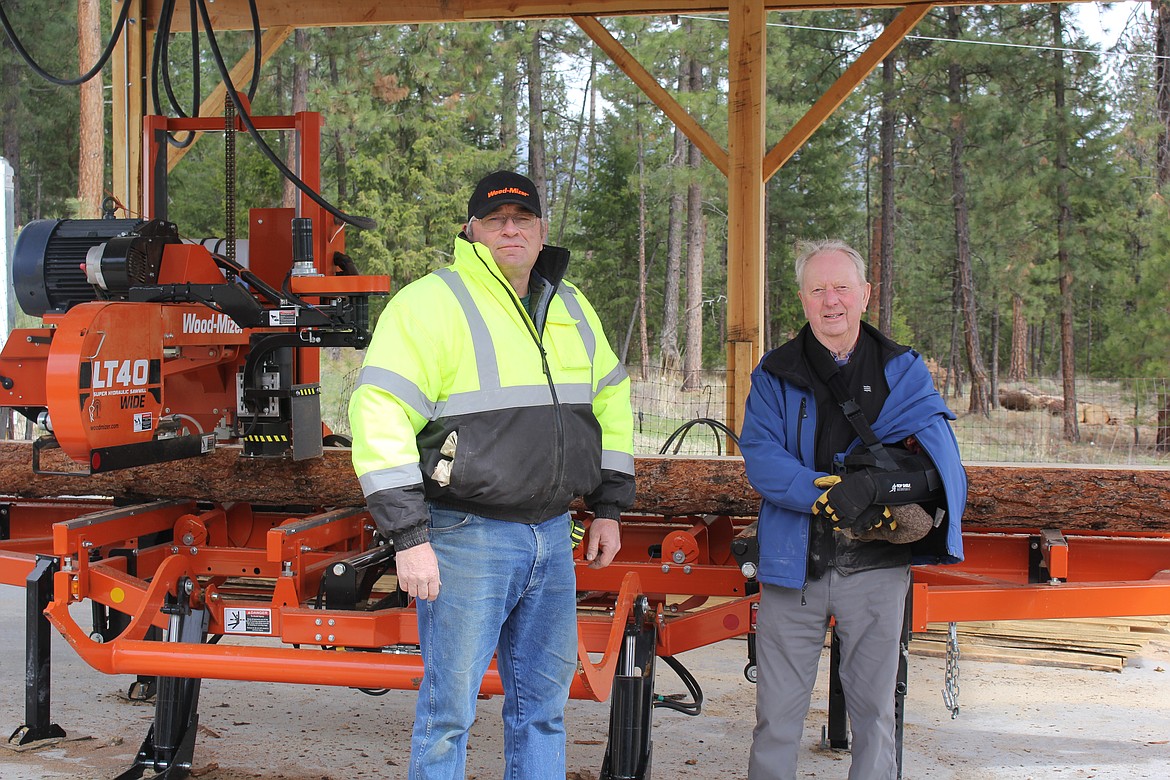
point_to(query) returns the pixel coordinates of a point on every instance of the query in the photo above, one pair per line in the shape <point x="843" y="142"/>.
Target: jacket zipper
<point x="537" y="339"/>
<point x="800" y="427"/>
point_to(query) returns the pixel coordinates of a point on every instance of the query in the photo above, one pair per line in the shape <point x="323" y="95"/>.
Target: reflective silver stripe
<point x="574" y="306"/>
<point x="384" y="479"/>
<point x="481" y="338"/>
<point x="617" y="461"/>
<point x="511" y="398"/>
<point x="615" y="377"/>
<point x="398" y="386"/>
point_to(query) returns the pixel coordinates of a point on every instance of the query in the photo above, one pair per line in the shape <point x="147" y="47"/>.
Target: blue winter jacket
<point x="777" y="443"/>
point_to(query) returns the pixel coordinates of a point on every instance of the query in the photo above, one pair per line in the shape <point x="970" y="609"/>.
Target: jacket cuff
<point x="610" y="511"/>
<point x="410" y="537"/>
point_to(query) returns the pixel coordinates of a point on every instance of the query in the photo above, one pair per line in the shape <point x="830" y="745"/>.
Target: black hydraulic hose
<point x="89" y="74"/>
<point x="693" y="707"/>
<point x="362" y="223"/>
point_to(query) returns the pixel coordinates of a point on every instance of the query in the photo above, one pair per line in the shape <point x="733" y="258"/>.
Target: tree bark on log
<point x="1070" y="497"/>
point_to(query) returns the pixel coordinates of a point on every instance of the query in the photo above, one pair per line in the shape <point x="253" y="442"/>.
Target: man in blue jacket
<point x="842" y="518"/>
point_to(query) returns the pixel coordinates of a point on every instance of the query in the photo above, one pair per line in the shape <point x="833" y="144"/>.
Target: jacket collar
<point x="551" y="263"/>
<point x="788" y="361"/>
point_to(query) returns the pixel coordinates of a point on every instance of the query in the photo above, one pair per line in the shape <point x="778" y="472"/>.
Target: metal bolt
<point x="174" y="551"/>
<point x="332" y="622"/>
<point x="188" y="587"/>
<point x="188" y="538"/>
<point x="194" y="550"/>
<point x="679" y="556"/>
<point x="317" y="638"/>
<point x="687" y="569"/>
<point x="214" y="596"/>
<point x="331" y="637"/>
<point x="748" y="570"/>
<point x="87" y="544"/>
<point x="317" y="621"/>
<point x="665" y="568"/>
<point x="339" y="569"/>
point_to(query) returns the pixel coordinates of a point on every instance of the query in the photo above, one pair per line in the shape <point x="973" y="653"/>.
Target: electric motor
<point x="59" y="263"/>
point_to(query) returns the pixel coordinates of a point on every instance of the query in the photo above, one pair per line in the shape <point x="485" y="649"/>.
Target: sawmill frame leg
<point x="628" y="754"/>
<point x="37" y="655"/>
<point x="169" y="746"/>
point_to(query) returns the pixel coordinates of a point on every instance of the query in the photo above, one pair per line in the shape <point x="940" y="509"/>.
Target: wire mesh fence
<point x="1118" y="421"/>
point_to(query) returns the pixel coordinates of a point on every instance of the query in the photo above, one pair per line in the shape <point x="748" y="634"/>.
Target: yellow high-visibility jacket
<point x="466" y="400"/>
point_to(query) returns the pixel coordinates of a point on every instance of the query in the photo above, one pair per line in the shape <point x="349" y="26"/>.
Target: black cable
<point x="255" y="48"/>
<point x="681" y="433"/>
<point x="361" y="223"/>
<point x="693" y="707"/>
<point x="101" y="63"/>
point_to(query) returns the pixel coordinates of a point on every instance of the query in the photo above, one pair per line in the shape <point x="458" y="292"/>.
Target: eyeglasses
<point x="523" y="220"/>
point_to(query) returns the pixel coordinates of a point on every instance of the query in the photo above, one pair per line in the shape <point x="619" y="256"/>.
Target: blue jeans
<point x="507" y="588"/>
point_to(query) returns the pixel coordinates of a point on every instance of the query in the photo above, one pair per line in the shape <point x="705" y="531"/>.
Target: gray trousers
<point x="868" y="608"/>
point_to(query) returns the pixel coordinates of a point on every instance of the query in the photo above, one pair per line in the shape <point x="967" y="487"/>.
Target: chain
<point x="229" y="163"/>
<point x="951" y="678"/>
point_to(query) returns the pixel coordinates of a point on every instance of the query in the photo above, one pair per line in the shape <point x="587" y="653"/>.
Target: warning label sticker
<point x="237" y="620"/>
<point x="144" y="422"/>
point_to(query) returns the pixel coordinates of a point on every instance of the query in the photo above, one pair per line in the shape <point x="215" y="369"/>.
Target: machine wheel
<point x="751" y="672"/>
<point x="336" y="440"/>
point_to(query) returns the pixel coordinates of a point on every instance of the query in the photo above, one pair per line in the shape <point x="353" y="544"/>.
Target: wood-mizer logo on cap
<point x="507" y="191"/>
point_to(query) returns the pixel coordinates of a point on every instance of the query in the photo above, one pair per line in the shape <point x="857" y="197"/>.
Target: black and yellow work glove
<point x="849" y="503"/>
<point x="576" y="532"/>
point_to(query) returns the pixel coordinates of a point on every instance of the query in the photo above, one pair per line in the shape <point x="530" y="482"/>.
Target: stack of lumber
<point x="1102" y="644"/>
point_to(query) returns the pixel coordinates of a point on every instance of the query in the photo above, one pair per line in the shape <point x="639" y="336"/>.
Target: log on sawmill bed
<point x="1073" y="497"/>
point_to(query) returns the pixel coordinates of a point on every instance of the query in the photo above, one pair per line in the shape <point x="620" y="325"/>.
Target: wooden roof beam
<point x="835" y="95"/>
<point x="234" y="15"/>
<point x="653" y="90"/>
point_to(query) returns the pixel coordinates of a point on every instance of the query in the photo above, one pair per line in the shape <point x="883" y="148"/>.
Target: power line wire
<point x="1004" y="44"/>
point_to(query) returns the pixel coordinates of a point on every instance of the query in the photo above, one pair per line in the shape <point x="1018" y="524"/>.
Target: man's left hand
<point x="605" y="539"/>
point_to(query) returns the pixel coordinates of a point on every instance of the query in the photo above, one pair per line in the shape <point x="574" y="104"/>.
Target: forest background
<point x="1003" y="172"/>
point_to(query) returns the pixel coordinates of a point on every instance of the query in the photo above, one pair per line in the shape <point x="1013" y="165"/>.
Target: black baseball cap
<point x="496" y="189"/>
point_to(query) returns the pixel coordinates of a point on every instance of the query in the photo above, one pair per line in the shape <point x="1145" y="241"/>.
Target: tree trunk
<point x="340" y="152"/>
<point x="995" y="330"/>
<point x="696" y="239"/>
<point x="11" y="123"/>
<point x="509" y="91"/>
<point x="536" y="160"/>
<point x="91" y="125"/>
<point x="1018" y="371"/>
<point x="1162" y="70"/>
<point x="886" y="255"/>
<point x="671" y="357"/>
<point x="643" y="336"/>
<point x="979" y="402"/>
<point x="1063" y="225"/>
<point x="300" y="102"/>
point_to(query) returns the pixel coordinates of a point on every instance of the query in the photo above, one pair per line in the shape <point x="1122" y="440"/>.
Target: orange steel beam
<point x="961" y="603"/>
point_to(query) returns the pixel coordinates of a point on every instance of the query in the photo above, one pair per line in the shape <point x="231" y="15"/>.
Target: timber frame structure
<point x="746" y="162"/>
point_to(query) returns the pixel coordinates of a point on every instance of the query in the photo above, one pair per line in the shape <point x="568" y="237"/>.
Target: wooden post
<point x="130" y="88"/>
<point x="745" y="202"/>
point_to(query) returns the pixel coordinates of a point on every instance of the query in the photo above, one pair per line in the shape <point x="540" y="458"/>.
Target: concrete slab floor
<point x="1015" y="723"/>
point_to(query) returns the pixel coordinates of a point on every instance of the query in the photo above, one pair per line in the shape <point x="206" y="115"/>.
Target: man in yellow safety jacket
<point x="488" y="401"/>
